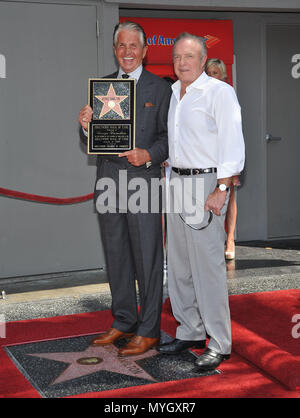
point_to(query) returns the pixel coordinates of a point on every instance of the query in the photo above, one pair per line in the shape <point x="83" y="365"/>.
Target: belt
<point x="191" y="171"/>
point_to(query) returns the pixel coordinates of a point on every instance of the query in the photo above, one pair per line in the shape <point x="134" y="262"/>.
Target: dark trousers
<point x="133" y="251"/>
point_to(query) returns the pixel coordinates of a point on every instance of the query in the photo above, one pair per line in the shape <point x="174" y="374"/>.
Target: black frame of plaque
<point x="102" y="129"/>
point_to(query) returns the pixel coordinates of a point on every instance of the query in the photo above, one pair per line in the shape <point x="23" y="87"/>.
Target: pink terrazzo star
<point x="94" y="359"/>
<point x="111" y="102"/>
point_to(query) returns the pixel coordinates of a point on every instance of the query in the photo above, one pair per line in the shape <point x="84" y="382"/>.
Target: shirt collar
<point x="198" y="83"/>
<point x="134" y="74"/>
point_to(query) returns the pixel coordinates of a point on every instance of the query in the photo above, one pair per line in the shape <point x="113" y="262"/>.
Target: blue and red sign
<point x="161" y="33"/>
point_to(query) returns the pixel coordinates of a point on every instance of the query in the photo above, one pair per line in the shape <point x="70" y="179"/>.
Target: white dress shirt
<point x="205" y="127"/>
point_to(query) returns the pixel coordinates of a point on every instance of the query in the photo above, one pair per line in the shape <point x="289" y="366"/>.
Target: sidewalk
<point x="259" y="266"/>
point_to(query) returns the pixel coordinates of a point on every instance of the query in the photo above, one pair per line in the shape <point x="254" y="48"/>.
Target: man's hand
<point x="215" y="201"/>
<point x="85" y="116"/>
<point x="137" y="156"/>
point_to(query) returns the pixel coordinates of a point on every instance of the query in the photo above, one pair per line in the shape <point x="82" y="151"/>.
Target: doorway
<point x="283" y="130"/>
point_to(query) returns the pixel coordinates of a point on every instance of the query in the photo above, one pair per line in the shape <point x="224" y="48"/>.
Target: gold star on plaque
<point x="111" y="102"/>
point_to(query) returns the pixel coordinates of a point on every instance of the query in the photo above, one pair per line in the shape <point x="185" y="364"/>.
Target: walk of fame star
<point x="111" y="102"/>
<point x="95" y="359"/>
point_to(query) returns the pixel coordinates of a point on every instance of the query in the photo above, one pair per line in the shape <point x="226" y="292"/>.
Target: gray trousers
<point x="197" y="275"/>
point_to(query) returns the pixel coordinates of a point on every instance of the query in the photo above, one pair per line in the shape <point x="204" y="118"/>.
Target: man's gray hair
<point x="199" y="39"/>
<point x="130" y="26"/>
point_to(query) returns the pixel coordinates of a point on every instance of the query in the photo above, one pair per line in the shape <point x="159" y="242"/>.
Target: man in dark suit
<point x="133" y="241"/>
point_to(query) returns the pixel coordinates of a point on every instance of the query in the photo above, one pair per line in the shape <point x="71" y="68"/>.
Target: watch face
<point x="222" y="187"/>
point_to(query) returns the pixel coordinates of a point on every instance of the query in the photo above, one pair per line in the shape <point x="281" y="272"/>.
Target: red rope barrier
<point x="45" y="199"/>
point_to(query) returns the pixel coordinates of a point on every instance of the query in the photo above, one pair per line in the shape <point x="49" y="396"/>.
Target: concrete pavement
<point x="259" y="266"/>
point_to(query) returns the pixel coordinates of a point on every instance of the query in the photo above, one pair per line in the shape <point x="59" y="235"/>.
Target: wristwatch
<point x="223" y="187"/>
<point x="148" y="164"/>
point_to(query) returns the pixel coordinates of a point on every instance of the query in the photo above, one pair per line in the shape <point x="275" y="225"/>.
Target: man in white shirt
<point x="206" y="148"/>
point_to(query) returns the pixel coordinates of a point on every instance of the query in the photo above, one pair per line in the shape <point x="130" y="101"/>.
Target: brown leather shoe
<point x="138" y="345"/>
<point x="109" y="337"/>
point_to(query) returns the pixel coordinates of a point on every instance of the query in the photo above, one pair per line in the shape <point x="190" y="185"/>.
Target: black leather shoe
<point x="177" y="346"/>
<point x="210" y="360"/>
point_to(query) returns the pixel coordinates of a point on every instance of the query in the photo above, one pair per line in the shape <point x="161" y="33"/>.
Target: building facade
<point x="49" y="49"/>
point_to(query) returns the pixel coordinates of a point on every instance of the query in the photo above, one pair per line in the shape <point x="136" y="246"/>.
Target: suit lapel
<point x="145" y="82"/>
<point x="114" y="75"/>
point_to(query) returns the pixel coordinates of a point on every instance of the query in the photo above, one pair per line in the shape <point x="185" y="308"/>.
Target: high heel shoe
<point x="229" y="255"/>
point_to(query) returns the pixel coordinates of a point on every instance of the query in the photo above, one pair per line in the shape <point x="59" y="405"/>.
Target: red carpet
<point x="262" y="332"/>
<point x="265" y="360"/>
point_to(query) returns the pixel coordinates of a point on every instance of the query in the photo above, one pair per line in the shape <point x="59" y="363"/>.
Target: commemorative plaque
<point x="112" y="129"/>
